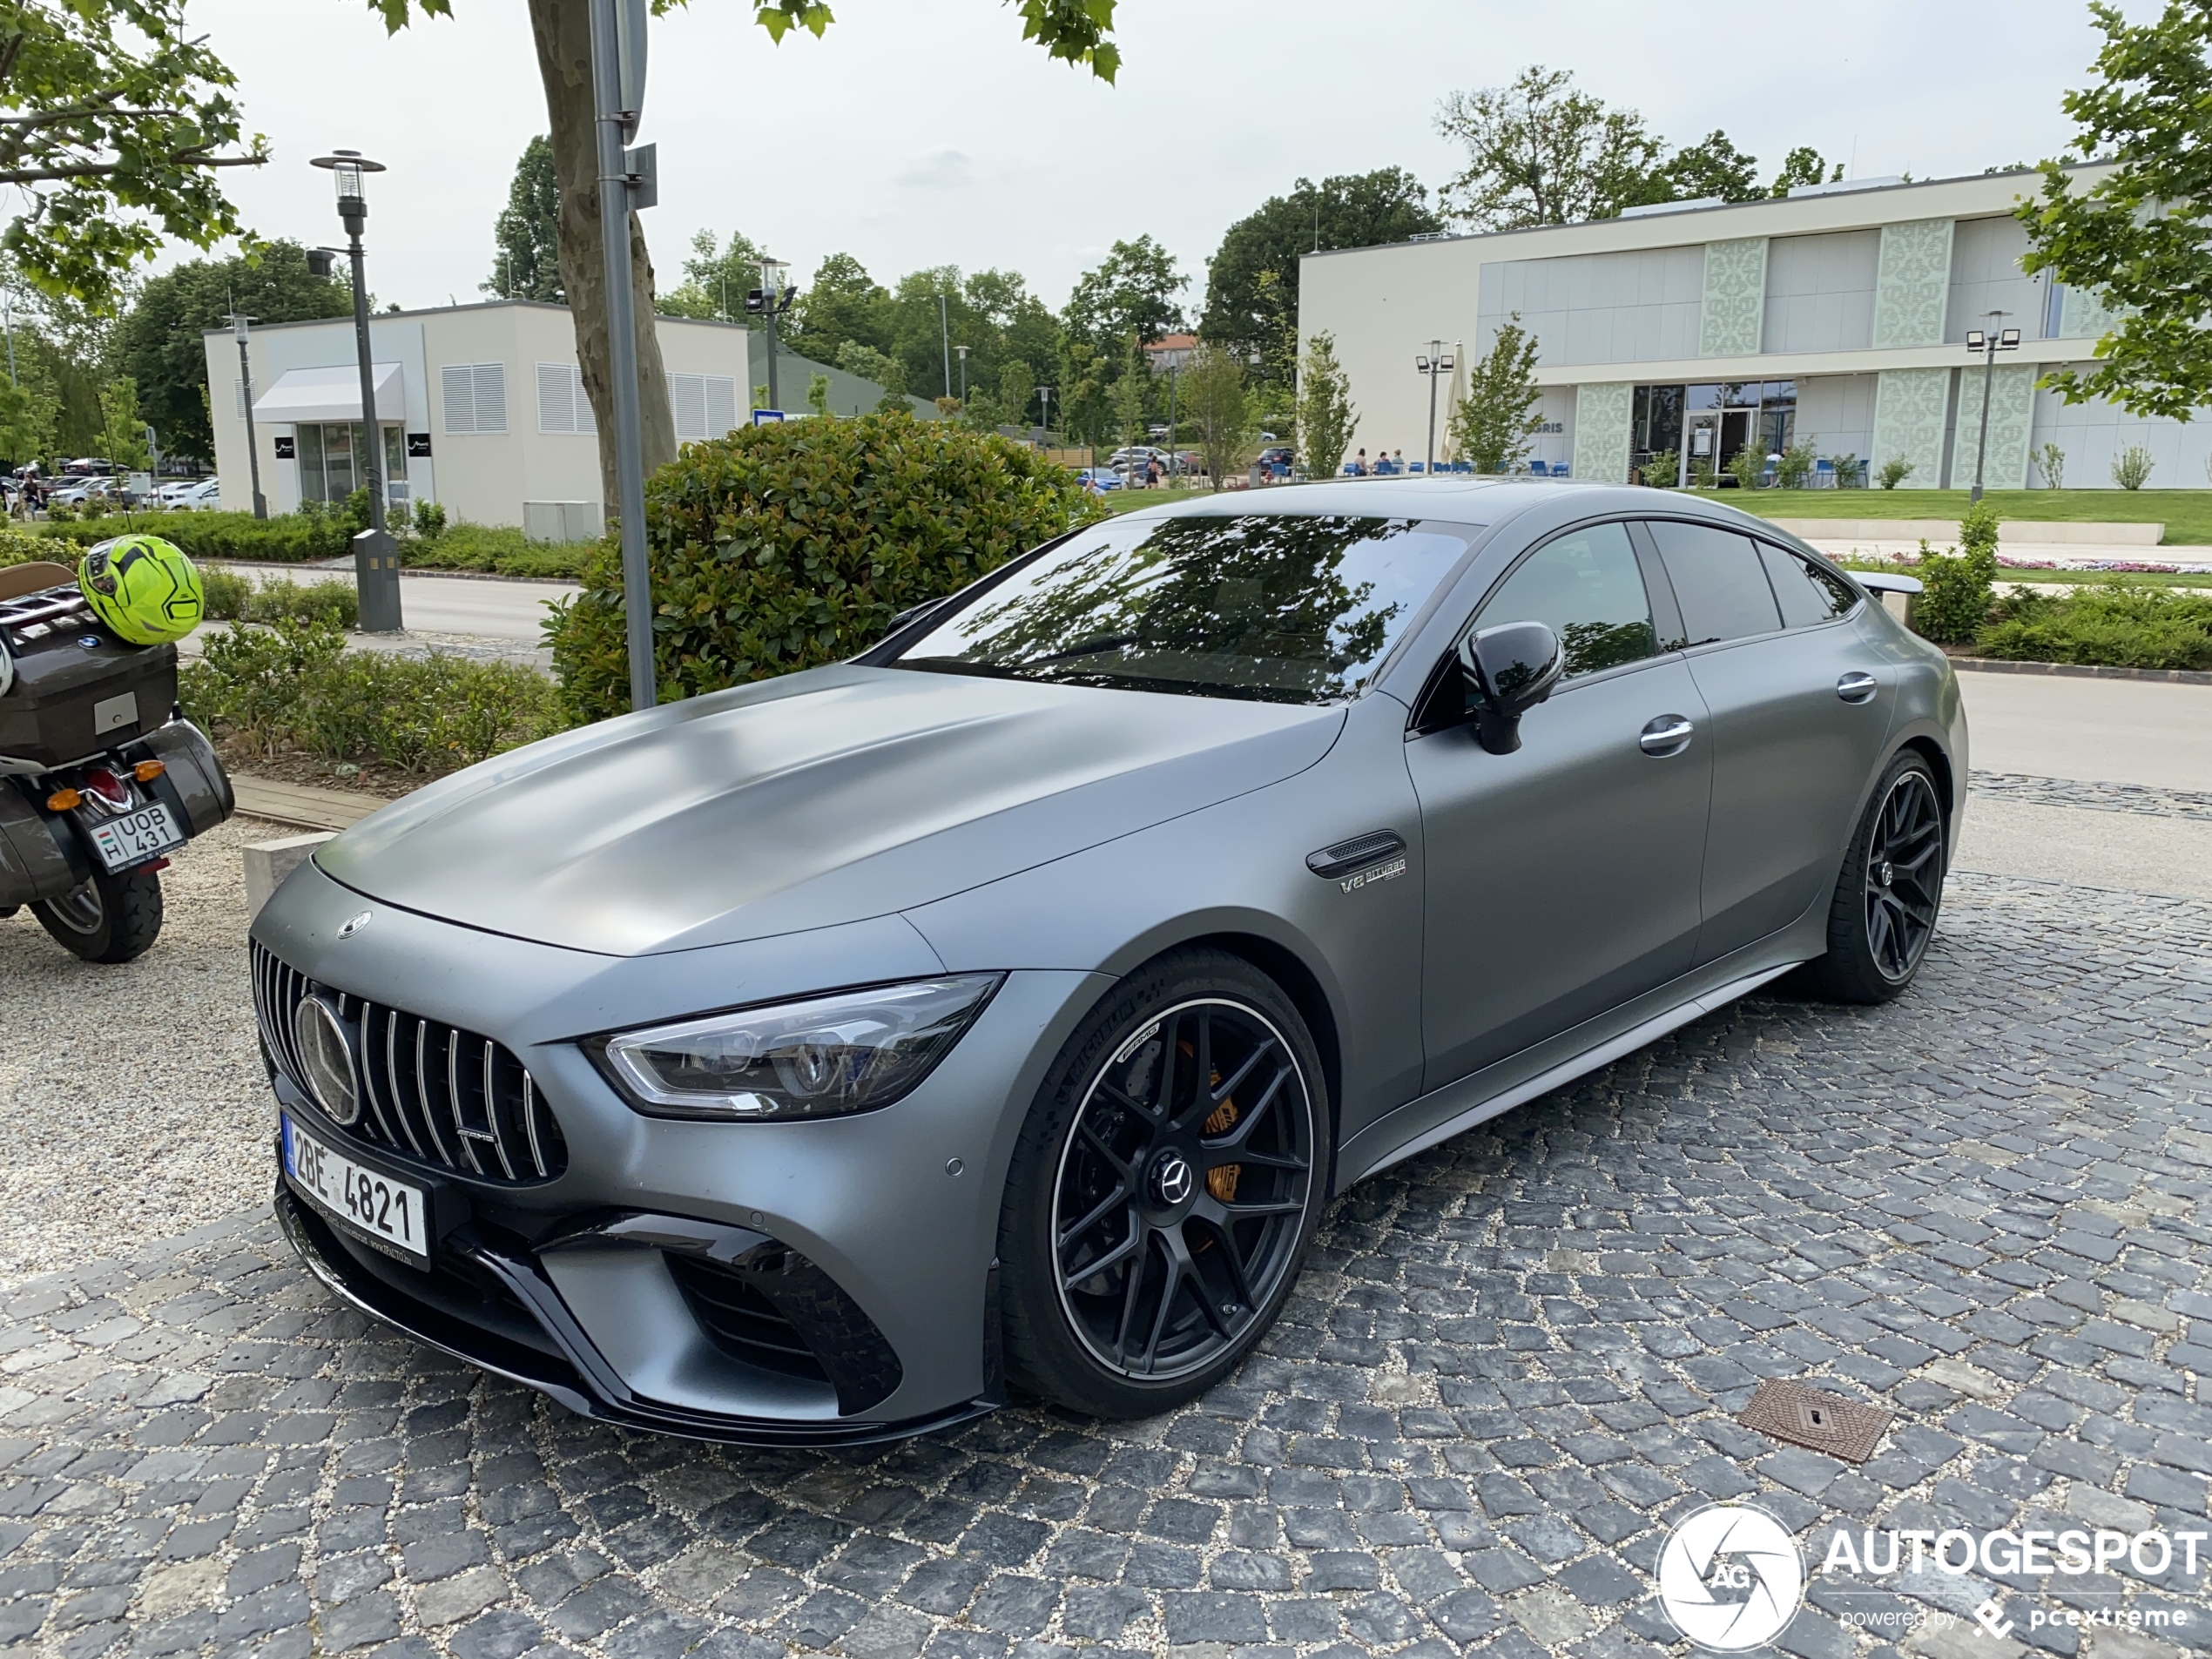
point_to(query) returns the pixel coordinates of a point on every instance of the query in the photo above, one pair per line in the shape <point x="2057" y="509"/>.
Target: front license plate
<point x="122" y="842"/>
<point x="385" y="1209"/>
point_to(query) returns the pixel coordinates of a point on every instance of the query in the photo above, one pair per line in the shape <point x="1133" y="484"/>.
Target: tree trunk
<point x="563" y="29"/>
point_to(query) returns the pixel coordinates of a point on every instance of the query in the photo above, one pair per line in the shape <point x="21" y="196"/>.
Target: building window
<point x="705" y="406"/>
<point x="562" y="406"/>
<point x="2054" y="307"/>
<point x="474" y="395"/>
<point x="325" y="449"/>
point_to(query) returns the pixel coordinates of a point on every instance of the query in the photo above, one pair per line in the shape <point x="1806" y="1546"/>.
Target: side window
<point x="1588" y="587"/>
<point x="1808" y="594"/>
<point x="1718" y="582"/>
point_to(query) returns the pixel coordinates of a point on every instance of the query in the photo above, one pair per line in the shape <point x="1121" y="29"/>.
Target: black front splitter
<point x="581" y="1380"/>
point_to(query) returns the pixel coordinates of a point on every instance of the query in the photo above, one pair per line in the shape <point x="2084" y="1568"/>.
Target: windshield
<point x="1277" y="607"/>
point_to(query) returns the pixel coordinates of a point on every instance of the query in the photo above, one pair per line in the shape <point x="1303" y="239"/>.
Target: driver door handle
<point x="1856" y="687"/>
<point x="1669" y="734"/>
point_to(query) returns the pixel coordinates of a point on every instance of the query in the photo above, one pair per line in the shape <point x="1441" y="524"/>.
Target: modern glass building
<point x="1835" y="317"/>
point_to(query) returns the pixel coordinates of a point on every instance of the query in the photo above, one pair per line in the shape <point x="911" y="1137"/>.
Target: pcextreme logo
<point x="1730" y="1577"/>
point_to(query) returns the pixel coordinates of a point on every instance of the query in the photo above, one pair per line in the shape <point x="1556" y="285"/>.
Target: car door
<point x="1561" y="879"/>
<point x="1799" y="717"/>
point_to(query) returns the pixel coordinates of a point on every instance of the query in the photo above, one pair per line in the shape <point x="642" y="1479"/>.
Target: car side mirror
<point x="1507" y="670"/>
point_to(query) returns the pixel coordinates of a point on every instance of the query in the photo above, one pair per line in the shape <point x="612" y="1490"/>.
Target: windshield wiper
<point x="1089" y="647"/>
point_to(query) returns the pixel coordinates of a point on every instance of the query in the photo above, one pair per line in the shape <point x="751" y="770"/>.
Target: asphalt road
<point x="2096" y="730"/>
<point x="452" y="604"/>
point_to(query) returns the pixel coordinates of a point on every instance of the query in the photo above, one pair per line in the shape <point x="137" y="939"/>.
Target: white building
<point x="1835" y="317"/>
<point x="480" y="406"/>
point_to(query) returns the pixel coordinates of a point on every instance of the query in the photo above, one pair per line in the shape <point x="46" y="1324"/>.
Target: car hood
<point x="816" y="798"/>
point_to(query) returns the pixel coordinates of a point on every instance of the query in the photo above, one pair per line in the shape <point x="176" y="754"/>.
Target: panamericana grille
<point x="429" y="1090"/>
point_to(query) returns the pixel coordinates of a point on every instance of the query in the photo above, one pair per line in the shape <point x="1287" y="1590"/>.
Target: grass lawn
<point x="2007" y="575"/>
<point x="2186" y="514"/>
<point x="1127" y="501"/>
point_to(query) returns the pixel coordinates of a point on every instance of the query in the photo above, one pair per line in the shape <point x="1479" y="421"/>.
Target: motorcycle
<point x="101" y="776"/>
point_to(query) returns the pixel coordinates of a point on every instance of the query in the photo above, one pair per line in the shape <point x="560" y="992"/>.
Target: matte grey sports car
<point x="820" y="1060"/>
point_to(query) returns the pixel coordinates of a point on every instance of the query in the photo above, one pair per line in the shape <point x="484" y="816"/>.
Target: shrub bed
<point x="2108" y="624"/>
<point x="231" y="596"/>
<point x="496" y="548"/>
<point x="288" y="538"/>
<point x="788" y="546"/>
<point x="292" y="686"/>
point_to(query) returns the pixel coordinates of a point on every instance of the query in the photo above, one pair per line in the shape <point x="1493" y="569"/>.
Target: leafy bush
<point x="335" y="603"/>
<point x="1794" y="470"/>
<point x="1956" y="593"/>
<point x="1663" y="470"/>
<point x="2109" y="623"/>
<point x="1748" y="467"/>
<point x="226" y="594"/>
<point x="1851" y="472"/>
<point x="788" y="546"/>
<point x="293" y="685"/>
<point x="22" y="546"/>
<point x="2131" y="469"/>
<point x="288" y="538"/>
<point x="498" y="549"/>
<point x="1894" y="472"/>
<point x="2050" y="461"/>
<point x="429" y="520"/>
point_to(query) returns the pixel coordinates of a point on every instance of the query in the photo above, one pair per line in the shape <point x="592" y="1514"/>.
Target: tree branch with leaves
<point x="114" y="124"/>
<point x="1492" y="428"/>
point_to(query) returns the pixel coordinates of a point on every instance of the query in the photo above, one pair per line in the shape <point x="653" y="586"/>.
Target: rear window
<point x="1285" y="608"/>
<point x="1719" y="582"/>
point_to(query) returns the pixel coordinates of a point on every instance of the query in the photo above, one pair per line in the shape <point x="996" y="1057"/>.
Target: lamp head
<point x="771" y="274"/>
<point x="2009" y="340"/>
<point x="348" y="168"/>
<point x="1420" y="363"/>
<point x="1975" y="339"/>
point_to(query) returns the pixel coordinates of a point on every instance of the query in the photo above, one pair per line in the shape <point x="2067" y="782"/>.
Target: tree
<point x="1491" y="431"/>
<point x="122" y="434"/>
<point x="1253" y="279"/>
<point x="817" y="390"/>
<point x="1802" y="165"/>
<point x="1219" y="409"/>
<point x="1017" y="390"/>
<point x="26" y="424"/>
<point x="117" y="119"/>
<point x="1128" y="395"/>
<point x="1073" y="31"/>
<point x="2135" y="239"/>
<point x="870" y="365"/>
<point x="1325" y="417"/>
<point x="843" y="303"/>
<point x="1539" y="152"/>
<point x="526" y="261"/>
<point x="717" y="278"/>
<point x="1130" y="294"/>
<point x="159" y="343"/>
<point x="1712" y="166"/>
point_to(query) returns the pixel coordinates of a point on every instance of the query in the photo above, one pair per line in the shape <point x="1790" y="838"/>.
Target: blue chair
<point x="1536" y="468"/>
<point x="1823" y="474"/>
<point x="1561" y="469"/>
<point x="1463" y="466"/>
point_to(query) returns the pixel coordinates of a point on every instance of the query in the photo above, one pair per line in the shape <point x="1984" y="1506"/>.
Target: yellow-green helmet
<point x="142" y="588"/>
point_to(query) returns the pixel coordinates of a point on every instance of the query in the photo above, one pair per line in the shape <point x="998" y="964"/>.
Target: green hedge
<point x="497" y="549"/>
<point x="288" y="538"/>
<point x="788" y="546"/>
<point x="2108" y="624"/>
<point x="294" y="686"/>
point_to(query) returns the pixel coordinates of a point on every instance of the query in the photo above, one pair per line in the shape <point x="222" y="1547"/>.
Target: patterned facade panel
<point x="2012" y="414"/>
<point x="1913" y="287"/>
<point x="1602" y="431"/>
<point x="1732" y="306"/>
<point x="2083" y="314"/>
<point x="1909" y="407"/>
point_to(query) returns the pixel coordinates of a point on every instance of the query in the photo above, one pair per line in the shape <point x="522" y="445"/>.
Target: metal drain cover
<point x="1807" y="1416"/>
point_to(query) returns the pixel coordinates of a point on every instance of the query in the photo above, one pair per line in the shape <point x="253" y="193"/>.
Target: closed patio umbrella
<point x="1448" y="450"/>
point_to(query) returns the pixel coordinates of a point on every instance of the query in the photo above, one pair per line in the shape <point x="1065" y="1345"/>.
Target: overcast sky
<point x="922" y="132"/>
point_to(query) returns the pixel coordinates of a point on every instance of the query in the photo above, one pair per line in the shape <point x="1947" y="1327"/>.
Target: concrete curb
<point x="327" y="568"/>
<point x="2081" y="671"/>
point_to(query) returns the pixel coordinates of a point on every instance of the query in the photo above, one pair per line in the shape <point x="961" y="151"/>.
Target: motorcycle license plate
<point x="371" y="1203"/>
<point x="146" y="833"/>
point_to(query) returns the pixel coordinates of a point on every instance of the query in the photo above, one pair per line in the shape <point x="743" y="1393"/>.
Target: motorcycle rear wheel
<point x="111" y="919"/>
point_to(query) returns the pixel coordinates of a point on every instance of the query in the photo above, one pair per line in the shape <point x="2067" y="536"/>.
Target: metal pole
<point x="376" y="562"/>
<point x="1435" y="354"/>
<point x="944" y="332"/>
<point x="252" y="444"/>
<point x="1981" y="439"/>
<point x="1175" y="456"/>
<point x="768" y="305"/>
<point x="370" y="466"/>
<point x="622" y="358"/>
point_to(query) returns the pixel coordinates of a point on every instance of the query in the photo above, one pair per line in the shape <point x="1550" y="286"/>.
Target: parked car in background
<point x="1098" y="477"/>
<point x="203" y="495"/>
<point x="76" y="493"/>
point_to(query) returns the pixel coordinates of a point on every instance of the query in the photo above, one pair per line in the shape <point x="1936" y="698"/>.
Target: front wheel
<point x="109" y="919"/>
<point x="1163" y="1189"/>
<point x="1884" y="914"/>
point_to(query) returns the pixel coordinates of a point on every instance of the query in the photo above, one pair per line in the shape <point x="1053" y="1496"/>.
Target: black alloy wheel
<point x="1890" y="890"/>
<point x="1903" y="880"/>
<point x="1177" y="1163"/>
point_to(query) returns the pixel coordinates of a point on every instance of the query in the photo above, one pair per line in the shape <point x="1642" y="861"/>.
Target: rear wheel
<point x="1887" y="897"/>
<point x="109" y="919"/>
<point x="1163" y="1189"/>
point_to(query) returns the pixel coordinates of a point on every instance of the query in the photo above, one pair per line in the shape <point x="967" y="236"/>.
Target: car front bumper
<point x="854" y="1257"/>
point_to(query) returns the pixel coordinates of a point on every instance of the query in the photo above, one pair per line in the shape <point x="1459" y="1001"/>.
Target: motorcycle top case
<point x="75" y="688"/>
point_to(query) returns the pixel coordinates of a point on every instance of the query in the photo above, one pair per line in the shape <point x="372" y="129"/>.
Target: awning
<point x="332" y="394"/>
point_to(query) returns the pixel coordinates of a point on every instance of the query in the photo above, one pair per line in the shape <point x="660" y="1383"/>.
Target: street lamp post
<point x="238" y="321"/>
<point x="772" y="305"/>
<point x="376" y="558"/>
<point x="945" y="338"/>
<point x="1044" y="410"/>
<point x="1175" y="455"/>
<point x="1434" y="362"/>
<point x="1988" y="343"/>
<point x="962" y="350"/>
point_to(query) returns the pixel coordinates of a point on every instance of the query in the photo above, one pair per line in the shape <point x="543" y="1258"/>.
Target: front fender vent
<point x="1355" y="854"/>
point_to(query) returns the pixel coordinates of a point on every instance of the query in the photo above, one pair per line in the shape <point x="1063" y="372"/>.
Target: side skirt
<point x="1458" y="1107"/>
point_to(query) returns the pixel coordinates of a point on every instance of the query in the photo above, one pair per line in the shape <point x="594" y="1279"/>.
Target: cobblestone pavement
<point x="2147" y="798"/>
<point x="1510" y="1364"/>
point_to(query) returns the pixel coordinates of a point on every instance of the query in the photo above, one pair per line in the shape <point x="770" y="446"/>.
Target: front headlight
<point x="847" y="1051"/>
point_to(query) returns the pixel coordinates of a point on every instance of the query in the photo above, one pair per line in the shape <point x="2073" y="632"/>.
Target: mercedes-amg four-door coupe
<point x="825" y="1059"/>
